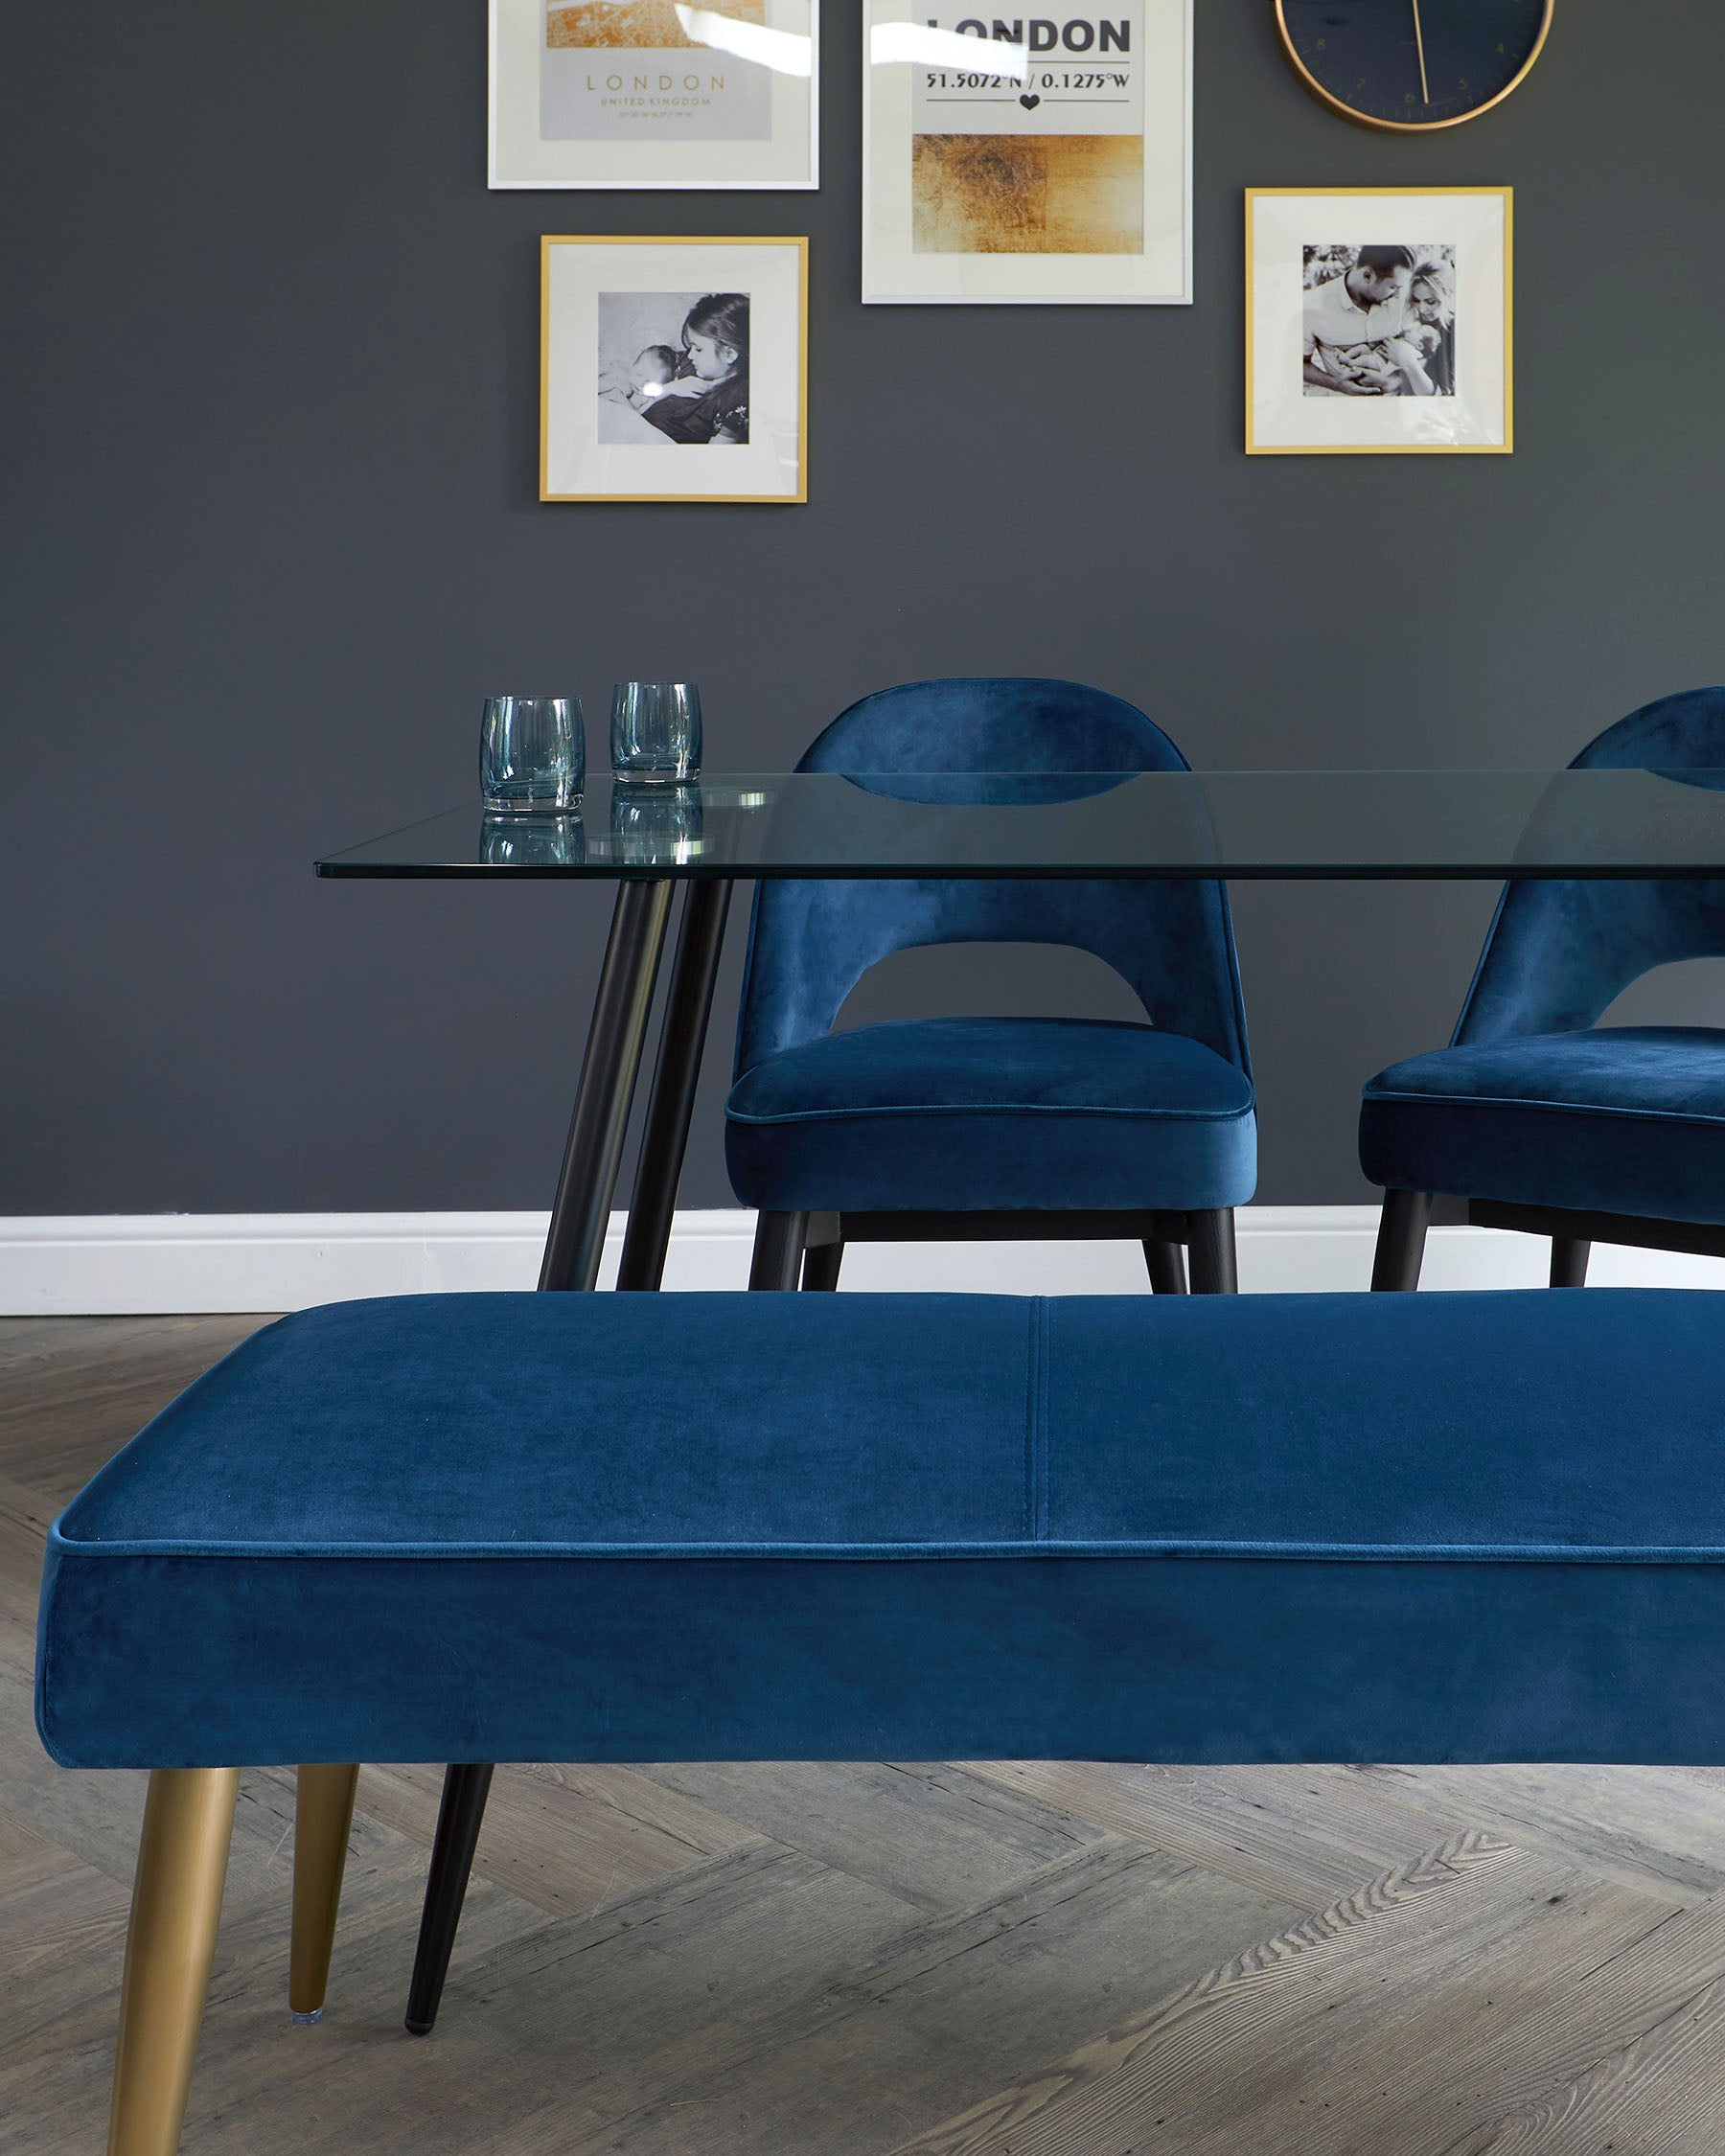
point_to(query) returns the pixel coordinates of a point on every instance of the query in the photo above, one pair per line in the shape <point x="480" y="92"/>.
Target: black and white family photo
<point x="1379" y="321"/>
<point x="673" y="367"/>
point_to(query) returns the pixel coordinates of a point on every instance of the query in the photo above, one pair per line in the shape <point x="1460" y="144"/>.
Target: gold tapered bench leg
<point x="177" y="1907"/>
<point x="323" y="1817"/>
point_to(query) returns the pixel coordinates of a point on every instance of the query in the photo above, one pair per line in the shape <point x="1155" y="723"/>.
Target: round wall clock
<point x="1409" y="65"/>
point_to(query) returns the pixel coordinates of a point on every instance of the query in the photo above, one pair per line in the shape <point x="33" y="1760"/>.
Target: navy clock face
<point x="1411" y="64"/>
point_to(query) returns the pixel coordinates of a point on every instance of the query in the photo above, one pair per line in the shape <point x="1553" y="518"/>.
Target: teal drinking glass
<point x="532" y="755"/>
<point x="655" y="732"/>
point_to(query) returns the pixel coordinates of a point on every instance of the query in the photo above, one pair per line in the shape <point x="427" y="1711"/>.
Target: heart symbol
<point x="1029" y="103"/>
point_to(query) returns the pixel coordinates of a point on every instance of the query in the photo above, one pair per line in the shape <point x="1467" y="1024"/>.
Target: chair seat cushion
<point x="993" y="1114"/>
<point x="913" y="1527"/>
<point x="1621" y="1119"/>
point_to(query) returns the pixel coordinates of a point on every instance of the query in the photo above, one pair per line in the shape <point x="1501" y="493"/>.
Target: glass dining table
<point x="1238" y="825"/>
<point x="1361" y="825"/>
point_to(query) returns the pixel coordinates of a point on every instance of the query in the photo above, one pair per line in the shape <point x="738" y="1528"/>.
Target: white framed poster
<point x="654" y="93"/>
<point x="1379" y="320"/>
<point x="673" y="369"/>
<point x="1030" y="158"/>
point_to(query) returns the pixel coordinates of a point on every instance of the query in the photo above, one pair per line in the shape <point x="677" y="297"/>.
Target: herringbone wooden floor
<point x="997" y="1961"/>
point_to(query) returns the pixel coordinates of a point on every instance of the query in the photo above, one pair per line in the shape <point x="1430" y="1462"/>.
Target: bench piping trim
<point x="899" y="1553"/>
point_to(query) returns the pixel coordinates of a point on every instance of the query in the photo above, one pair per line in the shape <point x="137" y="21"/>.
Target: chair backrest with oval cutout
<point x="811" y="942"/>
<point x="1558" y="954"/>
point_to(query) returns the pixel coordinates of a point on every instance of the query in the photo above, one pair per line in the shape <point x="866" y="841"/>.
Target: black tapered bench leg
<point x="1212" y="1253"/>
<point x="1401" y="1240"/>
<point x="459" y="1821"/>
<point x="1167" y="1268"/>
<point x="1568" y="1261"/>
<point x="820" y="1265"/>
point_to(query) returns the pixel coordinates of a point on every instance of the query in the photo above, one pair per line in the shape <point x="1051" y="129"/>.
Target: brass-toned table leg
<point x="322" y="1820"/>
<point x="177" y="1907"/>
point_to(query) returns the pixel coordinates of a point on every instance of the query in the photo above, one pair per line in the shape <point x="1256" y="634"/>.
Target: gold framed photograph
<point x="674" y="369"/>
<point x="650" y="93"/>
<point x="1379" y="321"/>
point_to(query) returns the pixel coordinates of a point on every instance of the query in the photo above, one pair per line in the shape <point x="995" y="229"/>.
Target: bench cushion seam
<point x="1045" y="1318"/>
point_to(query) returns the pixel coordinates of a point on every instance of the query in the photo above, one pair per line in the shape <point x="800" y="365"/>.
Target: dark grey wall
<point x="270" y="496"/>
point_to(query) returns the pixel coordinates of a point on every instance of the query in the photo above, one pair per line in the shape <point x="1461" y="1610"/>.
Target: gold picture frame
<point x="618" y="345"/>
<point x="1436" y="376"/>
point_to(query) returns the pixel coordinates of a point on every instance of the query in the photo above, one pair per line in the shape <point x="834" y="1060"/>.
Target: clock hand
<point x="1419" y="41"/>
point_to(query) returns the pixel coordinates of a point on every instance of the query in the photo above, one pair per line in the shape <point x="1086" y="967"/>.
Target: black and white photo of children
<point x="673" y="367"/>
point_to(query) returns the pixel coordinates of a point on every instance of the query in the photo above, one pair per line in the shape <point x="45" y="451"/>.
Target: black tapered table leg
<point x="671" y="1098"/>
<point x="458" y="1818"/>
<point x="581" y="1212"/>
<point x="579" y="1217"/>
<point x="1212" y="1253"/>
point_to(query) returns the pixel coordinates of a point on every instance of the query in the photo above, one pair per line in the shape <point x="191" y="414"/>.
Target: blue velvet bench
<point x="633" y="1528"/>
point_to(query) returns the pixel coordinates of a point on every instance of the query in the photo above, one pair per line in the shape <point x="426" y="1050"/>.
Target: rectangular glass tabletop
<point x="1261" y="824"/>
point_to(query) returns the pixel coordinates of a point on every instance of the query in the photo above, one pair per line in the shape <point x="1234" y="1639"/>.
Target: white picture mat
<point x="575" y="464"/>
<point x="1281" y="223"/>
<point x="516" y="157"/>
<point x="894" y="274"/>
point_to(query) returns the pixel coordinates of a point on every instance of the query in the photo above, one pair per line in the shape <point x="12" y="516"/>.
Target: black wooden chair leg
<point x="1212" y="1253"/>
<point x="1568" y="1261"/>
<point x="778" y="1248"/>
<point x="458" y="1820"/>
<point x="1402" y="1227"/>
<point x="1167" y="1268"/>
<point x="820" y="1265"/>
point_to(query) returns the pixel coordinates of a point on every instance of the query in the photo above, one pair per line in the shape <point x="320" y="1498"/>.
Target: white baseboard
<point x="150" y="1264"/>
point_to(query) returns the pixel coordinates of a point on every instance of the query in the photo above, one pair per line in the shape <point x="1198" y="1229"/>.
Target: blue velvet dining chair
<point x="992" y="1128"/>
<point x="1541" y="1118"/>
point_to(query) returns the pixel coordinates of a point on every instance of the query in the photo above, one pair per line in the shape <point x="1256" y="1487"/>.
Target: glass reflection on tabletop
<point x="746" y="794"/>
<point x="516" y="841"/>
<point x="654" y="824"/>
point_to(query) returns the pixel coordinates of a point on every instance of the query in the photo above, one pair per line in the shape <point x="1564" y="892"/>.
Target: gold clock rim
<point x="1343" y="111"/>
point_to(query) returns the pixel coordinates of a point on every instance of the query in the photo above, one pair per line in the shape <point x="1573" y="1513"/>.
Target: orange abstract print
<point x="1028" y="195"/>
<point x="639" y="25"/>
